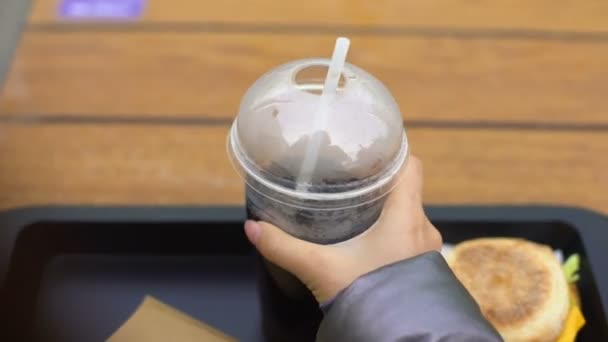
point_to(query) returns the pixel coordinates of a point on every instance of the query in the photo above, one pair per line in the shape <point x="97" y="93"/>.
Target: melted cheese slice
<point x="574" y="322"/>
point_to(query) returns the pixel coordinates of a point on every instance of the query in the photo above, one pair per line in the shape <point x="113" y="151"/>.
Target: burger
<point x="521" y="287"/>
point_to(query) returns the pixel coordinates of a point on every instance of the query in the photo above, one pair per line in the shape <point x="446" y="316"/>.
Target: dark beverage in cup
<point x="319" y="167"/>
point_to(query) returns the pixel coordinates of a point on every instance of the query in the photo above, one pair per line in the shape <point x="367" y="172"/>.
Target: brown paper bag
<point x="154" y="321"/>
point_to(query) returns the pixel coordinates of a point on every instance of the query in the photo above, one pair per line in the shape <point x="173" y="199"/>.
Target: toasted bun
<point x="519" y="285"/>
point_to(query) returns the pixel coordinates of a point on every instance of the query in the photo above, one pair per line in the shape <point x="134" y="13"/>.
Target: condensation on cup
<point x="319" y="144"/>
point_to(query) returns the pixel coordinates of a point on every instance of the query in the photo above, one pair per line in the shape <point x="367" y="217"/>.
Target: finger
<point x="434" y="236"/>
<point x="409" y="189"/>
<point x="290" y="253"/>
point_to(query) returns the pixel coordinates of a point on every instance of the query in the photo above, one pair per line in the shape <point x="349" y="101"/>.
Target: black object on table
<point x="77" y="273"/>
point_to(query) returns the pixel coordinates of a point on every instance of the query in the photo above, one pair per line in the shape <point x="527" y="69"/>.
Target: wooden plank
<point x="587" y="15"/>
<point x="138" y="164"/>
<point x="202" y="74"/>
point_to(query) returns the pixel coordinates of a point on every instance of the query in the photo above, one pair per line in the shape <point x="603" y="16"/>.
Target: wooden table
<point x="506" y="102"/>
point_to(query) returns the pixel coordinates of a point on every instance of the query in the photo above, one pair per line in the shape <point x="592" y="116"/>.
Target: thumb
<point x="280" y="248"/>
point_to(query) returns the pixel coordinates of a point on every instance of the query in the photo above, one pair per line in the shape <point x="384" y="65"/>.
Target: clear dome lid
<point x="360" y="142"/>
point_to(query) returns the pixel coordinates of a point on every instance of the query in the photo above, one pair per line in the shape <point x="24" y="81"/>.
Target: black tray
<point x="76" y="274"/>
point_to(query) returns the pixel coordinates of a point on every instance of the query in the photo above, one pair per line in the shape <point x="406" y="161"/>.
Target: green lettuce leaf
<point x="571" y="267"/>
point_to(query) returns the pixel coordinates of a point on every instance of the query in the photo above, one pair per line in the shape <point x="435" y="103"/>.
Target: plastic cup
<point x="318" y="164"/>
<point x="361" y="150"/>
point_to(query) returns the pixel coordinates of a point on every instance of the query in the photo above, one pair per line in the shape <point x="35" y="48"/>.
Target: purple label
<point x="101" y="9"/>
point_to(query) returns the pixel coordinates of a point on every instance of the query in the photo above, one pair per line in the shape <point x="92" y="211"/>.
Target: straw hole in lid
<point x="311" y="79"/>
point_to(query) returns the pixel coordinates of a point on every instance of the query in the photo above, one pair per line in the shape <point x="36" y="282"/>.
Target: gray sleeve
<point x="13" y="16"/>
<point x="418" y="299"/>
